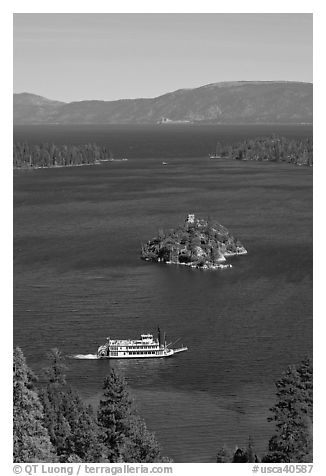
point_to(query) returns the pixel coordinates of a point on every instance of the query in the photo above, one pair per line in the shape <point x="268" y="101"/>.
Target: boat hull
<point x="168" y="353"/>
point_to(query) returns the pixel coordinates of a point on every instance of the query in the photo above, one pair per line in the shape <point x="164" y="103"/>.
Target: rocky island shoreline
<point x="198" y="243"/>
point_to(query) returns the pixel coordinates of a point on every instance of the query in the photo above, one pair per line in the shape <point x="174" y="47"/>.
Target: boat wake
<point x="85" y="356"/>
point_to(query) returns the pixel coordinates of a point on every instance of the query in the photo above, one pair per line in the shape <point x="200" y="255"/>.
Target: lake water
<point x="78" y="277"/>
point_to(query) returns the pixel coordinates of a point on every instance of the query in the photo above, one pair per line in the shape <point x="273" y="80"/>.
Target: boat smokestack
<point x="159" y="337"/>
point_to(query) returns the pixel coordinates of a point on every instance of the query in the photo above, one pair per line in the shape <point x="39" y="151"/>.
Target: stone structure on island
<point x="198" y="243"/>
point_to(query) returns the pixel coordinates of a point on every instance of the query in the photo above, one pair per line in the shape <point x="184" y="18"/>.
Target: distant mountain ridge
<point x="217" y="103"/>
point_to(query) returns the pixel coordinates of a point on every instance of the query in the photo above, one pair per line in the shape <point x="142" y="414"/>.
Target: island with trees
<point x="198" y="243"/>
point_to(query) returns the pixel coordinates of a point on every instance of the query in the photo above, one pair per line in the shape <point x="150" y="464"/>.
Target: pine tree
<point x="114" y="415"/>
<point x="125" y="434"/>
<point x="56" y="422"/>
<point x="52" y="397"/>
<point x="71" y="424"/>
<point x="141" y="445"/>
<point x="240" y="456"/>
<point x="31" y="439"/>
<point x="84" y="428"/>
<point x="292" y="414"/>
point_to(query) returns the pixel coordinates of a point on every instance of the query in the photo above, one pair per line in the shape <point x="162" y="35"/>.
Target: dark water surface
<point x="78" y="278"/>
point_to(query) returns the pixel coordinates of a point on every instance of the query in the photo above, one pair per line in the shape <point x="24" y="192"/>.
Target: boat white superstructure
<point x="145" y="347"/>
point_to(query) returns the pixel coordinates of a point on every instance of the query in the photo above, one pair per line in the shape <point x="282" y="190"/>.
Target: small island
<point x="197" y="243"/>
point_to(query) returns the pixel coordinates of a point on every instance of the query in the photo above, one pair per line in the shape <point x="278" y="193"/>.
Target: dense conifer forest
<point x="270" y="148"/>
<point x="51" y="155"/>
<point x="53" y="424"/>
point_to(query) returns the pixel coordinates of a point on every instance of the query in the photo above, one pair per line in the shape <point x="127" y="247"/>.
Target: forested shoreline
<point x="51" y="423"/>
<point x="46" y="154"/>
<point x="297" y="151"/>
<point x="270" y="148"/>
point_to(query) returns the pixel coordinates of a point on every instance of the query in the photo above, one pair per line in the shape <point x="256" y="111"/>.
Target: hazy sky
<point x="71" y="57"/>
